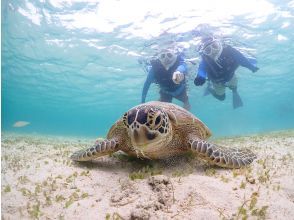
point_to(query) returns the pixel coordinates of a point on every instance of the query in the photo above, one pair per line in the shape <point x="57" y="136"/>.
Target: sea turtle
<point x="156" y="130"/>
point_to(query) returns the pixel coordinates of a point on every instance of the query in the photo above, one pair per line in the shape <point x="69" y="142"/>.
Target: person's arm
<point x="243" y="61"/>
<point x="149" y="80"/>
<point x="182" y="66"/>
<point x="202" y="70"/>
<point x="201" y="74"/>
<point x="181" y="72"/>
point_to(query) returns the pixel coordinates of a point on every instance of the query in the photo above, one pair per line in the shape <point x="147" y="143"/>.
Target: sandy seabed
<point x="39" y="181"/>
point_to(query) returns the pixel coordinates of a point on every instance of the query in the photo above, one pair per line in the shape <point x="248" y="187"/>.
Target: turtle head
<point x="148" y="126"/>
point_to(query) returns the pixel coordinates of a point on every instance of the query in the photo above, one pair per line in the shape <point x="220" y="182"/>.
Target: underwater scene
<point x="121" y="109"/>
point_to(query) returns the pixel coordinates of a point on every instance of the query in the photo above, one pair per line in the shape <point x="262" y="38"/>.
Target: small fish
<point x="20" y="124"/>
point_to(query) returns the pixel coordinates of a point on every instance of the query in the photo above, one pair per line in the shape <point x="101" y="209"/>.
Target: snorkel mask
<point x="212" y="48"/>
<point x="167" y="57"/>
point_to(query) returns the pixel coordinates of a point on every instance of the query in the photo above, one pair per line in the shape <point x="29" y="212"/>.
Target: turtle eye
<point x="154" y="119"/>
<point x="157" y="122"/>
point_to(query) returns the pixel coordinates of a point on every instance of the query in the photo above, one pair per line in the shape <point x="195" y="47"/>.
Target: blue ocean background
<point x="70" y="67"/>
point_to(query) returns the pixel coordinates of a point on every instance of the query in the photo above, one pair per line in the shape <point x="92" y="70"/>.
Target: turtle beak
<point x="142" y="136"/>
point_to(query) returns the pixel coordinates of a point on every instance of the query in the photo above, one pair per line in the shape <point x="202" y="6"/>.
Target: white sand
<point x="40" y="181"/>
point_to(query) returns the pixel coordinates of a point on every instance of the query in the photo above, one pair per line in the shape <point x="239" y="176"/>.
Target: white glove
<point x="178" y="77"/>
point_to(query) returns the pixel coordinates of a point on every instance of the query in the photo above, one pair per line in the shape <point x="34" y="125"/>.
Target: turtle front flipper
<point x="99" y="149"/>
<point x="222" y="156"/>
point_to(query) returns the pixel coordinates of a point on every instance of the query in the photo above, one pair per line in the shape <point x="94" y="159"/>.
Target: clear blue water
<point x="71" y="67"/>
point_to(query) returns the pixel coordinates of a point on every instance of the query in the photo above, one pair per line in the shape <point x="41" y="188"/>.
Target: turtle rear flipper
<point x="99" y="149"/>
<point x="222" y="156"/>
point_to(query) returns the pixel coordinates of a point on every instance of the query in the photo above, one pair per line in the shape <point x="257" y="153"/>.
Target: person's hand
<point x="199" y="81"/>
<point x="255" y="69"/>
<point x="178" y="77"/>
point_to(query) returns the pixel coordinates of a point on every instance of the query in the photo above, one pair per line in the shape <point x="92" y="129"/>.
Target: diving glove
<point x="199" y="81"/>
<point x="254" y="69"/>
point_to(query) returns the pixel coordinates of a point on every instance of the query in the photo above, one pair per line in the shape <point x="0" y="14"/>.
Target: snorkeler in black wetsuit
<point x="219" y="63"/>
<point x="169" y="71"/>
